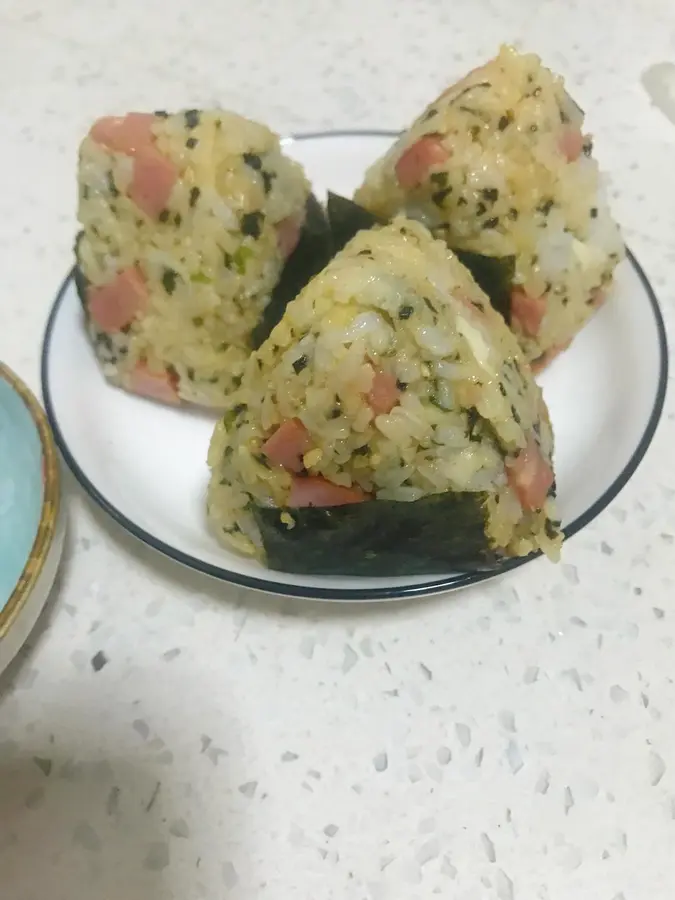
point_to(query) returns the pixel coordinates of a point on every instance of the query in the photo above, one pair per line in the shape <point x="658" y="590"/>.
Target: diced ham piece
<point x="108" y="131"/>
<point x="317" y="491"/>
<point x="124" y="134"/>
<point x="530" y="476"/>
<point x="541" y="362"/>
<point x="527" y="312"/>
<point x="288" y="444"/>
<point x="160" y="386"/>
<point x="116" y="304"/>
<point x="384" y="393"/>
<point x="414" y="164"/>
<point x="103" y="130"/>
<point x="571" y="143"/>
<point x="598" y="297"/>
<point x="153" y="179"/>
<point x="154" y="175"/>
<point x="288" y="235"/>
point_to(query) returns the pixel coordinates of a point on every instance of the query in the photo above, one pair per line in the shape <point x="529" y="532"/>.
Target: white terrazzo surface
<point x="166" y="737"/>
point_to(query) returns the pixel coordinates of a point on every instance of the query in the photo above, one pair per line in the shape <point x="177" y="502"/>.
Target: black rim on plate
<point x="393" y="592"/>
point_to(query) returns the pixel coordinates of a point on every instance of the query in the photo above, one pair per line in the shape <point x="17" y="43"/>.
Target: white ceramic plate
<point x="146" y="464"/>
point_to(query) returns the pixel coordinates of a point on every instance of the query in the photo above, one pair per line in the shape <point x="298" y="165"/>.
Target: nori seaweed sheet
<point x="81" y="282"/>
<point x="436" y="534"/>
<point x="493" y="274"/>
<point x="346" y="218"/>
<point x="312" y="254"/>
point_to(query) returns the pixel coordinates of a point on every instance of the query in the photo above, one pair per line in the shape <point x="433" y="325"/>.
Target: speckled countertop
<point x="166" y="737"/>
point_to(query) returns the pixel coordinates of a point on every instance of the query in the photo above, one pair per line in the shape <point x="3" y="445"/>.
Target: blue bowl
<point x="31" y="527"/>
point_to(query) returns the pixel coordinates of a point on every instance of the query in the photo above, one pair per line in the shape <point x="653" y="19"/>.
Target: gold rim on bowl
<point x="51" y="479"/>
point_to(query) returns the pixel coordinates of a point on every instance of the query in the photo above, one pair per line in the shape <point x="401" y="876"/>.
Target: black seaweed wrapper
<point x="80" y="281"/>
<point x="312" y="254"/>
<point x="433" y="535"/>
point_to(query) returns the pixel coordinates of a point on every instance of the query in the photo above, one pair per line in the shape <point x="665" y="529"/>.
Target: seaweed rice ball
<point x="187" y="221"/>
<point x="389" y="424"/>
<point x="499" y="164"/>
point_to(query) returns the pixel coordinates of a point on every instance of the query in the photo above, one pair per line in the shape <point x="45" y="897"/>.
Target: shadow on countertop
<point x="68" y="831"/>
<point x="89" y="809"/>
